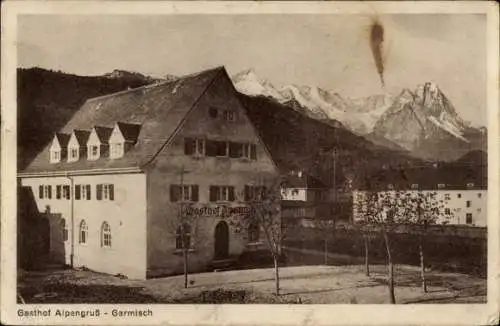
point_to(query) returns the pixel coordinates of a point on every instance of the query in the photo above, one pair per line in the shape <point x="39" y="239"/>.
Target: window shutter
<point x="246" y="193"/>
<point x="58" y="192"/>
<point x="111" y="188"/>
<point x="189" y="146"/>
<point x="40" y="191"/>
<point x="175" y="193"/>
<point x="231" y="193"/>
<point x="99" y="192"/>
<point x="77" y="192"/>
<point x="50" y="191"/>
<point x="253" y="152"/>
<point x="88" y="191"/>
<point x="195" y="193"/>
<point x="213" y="193"/>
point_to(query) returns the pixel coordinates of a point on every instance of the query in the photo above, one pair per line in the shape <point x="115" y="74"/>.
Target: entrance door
<point x="221" y="246"/>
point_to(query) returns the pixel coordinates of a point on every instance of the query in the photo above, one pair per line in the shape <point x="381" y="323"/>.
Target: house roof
<point x="129" y="131"/>
<point x="303" y="180"/>
<point x="451" y="176"/>
<point x="63" y="139"/>
<point x="103" y="133"/>
<point x="158" y="109"/>
<point x="82" y="136"/>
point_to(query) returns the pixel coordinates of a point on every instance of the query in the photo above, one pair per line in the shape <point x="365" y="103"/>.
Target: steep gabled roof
<point x="158" y="108"/>
<point x="81" y="136"/>
<point x="129" y="131"/>
<point x="63" y="139"/>
<point x="304" y="180"/>
<point x="103" y="133"/>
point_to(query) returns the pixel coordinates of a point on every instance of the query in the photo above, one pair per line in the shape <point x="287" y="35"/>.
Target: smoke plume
<point x="376" y="40"/>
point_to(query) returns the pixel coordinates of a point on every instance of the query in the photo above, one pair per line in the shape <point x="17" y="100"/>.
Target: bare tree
<point x="183" y="226"/>
<point x="428" y="210"/>
<point x="383" y="211"/>
<point x="264" y="204"/>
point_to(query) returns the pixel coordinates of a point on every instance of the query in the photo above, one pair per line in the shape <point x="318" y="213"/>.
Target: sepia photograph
<point x="250" y="158"/>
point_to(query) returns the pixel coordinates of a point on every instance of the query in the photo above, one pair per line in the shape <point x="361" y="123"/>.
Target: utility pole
<point x="185" y="246"/>
<point x="72" y="217"/>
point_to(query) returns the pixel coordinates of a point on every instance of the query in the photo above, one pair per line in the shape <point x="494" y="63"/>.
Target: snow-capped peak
<point x="249" y="83"/>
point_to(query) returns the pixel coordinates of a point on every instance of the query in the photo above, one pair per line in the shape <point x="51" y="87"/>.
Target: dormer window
<point x="93" y="152"/>
<point x="123" y="137"/>
<point x="116" y="150"/>
<point x="59" y="147"/>
<point x="77" y="145"/>
<point x="73" y="154"/>
<point x="98" y="142"/>
<point x="55" y="156"/>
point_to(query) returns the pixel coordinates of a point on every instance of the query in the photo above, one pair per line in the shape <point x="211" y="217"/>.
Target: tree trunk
<point x="367" y="262"/>
<point x="185" y="256"/>
<point x="390" y="266"/>
<point x="422" y="265"/>
<point x="276" y="274"/>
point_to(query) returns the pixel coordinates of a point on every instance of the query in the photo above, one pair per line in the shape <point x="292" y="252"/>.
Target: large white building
<point x="457" y="192"/>
<point x="111" y="181"/>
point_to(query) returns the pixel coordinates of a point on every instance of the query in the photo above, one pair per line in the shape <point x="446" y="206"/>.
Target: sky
<point x="331" y="51"/>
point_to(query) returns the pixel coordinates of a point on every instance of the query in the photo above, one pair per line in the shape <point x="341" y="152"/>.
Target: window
<point x="250" y="151"/>
<point x="216" y="148"/>
<point x="73" y="154"/>
<point x="82" y="192"/>
<point x="66" y="193"/>
<point x="62" y="191"/>
<point x="93" y="152"/>
<point x="45" y="191"/>
<point x="468" y="203"/>
<point x="447" y="196"/>
<point x="229" y="115"/>
<point x="236" y="150"/>
<point x="116" y="150"/>
<point x="55" y="156"/>
<point x="64" y="229"/>
<point x="468" y="218"/>
<point x="254" y="193"/>
<point x="105" y="235"/>
<point x="479" y="195"/>
<point x="105" y="191"/>
<point x="447" y="211"/>
<point x="253" y="232"/>
<point x="221" y="193"/>
<point x="83" y="232"/>
<point x="440" y="185"/>
<point x="194" y="146"/>
<point x="459" y="195"/>
<point x="184" y="192"/>
<point x="212" y="112"/>
<point x="183" y="237"/>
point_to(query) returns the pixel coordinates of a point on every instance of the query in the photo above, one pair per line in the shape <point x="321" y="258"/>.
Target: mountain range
<point x="47" y="100"/>
<point x="422" y="121"/>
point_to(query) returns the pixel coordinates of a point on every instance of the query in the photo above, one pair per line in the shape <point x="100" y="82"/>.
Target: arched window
<point x="82" y="234"/>
<point x="187" y="237"/>
<point x="105" y="235"/>
<point x="253" y="232"/>
<point x="64" y="229"/>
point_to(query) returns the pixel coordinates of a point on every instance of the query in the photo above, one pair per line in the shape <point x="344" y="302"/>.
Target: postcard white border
<point x="448" y="314"/>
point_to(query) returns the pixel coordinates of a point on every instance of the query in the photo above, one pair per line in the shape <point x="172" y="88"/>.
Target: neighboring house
<point x="116" y="174"/>
<point x="304" y="198"/>
<point x="461" y="198"/>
